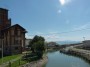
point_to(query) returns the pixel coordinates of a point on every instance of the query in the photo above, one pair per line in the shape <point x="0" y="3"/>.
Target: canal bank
<point x="85" y="54"/>
<point x="38" y="63"/>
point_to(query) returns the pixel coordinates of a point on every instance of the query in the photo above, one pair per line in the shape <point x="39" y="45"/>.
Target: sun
<point x="62" y="2"/>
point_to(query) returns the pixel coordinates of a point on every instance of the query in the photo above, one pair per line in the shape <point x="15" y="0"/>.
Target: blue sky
<point x="49" y="18"/>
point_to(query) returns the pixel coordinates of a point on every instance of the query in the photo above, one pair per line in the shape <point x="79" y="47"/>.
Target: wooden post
<point x="19" y="61"/>
<point x="9" y="64"/>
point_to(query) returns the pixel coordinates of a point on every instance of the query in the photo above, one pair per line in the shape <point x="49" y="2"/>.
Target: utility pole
<point x="2" y="52"/>
<point x="1" y="43"/>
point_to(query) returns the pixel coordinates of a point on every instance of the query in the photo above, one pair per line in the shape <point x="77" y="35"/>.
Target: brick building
<point x="11" y="37"/>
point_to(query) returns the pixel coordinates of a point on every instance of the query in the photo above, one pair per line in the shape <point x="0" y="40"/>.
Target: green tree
<point x="37" y="44"/>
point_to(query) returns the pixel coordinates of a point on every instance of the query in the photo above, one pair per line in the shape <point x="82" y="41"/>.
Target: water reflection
<point x="57" y="59"/>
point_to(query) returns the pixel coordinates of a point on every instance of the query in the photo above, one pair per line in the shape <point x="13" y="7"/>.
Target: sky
<point x="52" y="19"/>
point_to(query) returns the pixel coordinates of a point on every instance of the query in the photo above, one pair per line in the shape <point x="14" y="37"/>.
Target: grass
<point x="8" y="58"/>
<point x="22" y="62"/>
<point x="17" y="63"/>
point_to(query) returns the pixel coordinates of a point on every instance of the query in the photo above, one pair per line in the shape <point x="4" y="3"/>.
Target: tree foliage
<point x="37" y="44"/>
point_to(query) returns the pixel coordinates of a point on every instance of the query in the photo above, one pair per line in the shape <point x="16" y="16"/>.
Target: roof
<point x="14" y="26"/>
<point x="3" y="9"/>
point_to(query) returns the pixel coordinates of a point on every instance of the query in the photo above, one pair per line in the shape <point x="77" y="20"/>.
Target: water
<point x="57" y="59"/>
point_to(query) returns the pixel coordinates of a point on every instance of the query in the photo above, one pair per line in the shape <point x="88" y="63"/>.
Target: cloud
<point x="52" y="37"/>
<point x="39" y="33"/>
<point x="55" y="36"/>
<point x="85" y="26"/>
<point x="55" y="32"/>
<point x="63" y="2"/>
<point x="27" y="36"/>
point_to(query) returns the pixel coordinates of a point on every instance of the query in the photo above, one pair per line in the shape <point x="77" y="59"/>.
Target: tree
<point x="37" y="44"/>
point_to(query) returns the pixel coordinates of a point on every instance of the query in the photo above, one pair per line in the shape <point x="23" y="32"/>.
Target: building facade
<point x="12" y="37"/>
<point x="27" y="41"/>
<point x="86" y="44"/>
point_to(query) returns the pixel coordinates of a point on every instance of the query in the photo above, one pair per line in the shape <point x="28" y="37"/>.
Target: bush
<point x="30" y="57"/>
<point x="39" y="54"/>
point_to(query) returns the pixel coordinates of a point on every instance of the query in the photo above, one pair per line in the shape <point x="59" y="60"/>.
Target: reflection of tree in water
<point x="52" y="51"/>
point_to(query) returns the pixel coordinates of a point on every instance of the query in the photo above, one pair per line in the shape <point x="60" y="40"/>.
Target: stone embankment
<point x="78" y="52"/>
<point x="39" y="63"/>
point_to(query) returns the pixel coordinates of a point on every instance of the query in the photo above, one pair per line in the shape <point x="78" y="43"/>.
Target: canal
<point x="57" y="59"/>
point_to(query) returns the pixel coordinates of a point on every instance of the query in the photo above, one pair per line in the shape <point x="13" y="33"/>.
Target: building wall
<point x="27" y="41"/>
<point x="13" y="36"/>
<point x="14" y="40"/>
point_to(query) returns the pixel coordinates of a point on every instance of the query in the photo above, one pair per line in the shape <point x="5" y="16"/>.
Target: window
<point x="8" y="32"/>
<point x="12" y="32"/>
<point x="6" y="49"/>
<point x="16" y="42"/>
<point x="0" y="22"/>
<point x="18" y="32"/>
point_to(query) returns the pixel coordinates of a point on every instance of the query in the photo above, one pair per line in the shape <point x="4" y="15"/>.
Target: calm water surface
<point x="57" y="59"/>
